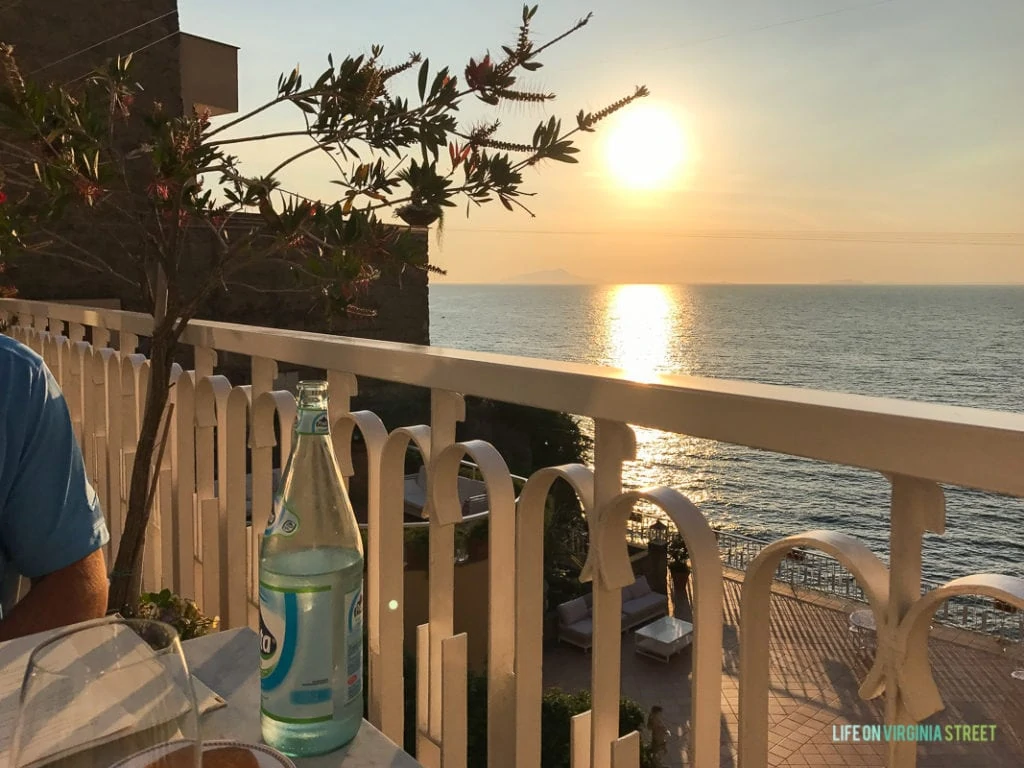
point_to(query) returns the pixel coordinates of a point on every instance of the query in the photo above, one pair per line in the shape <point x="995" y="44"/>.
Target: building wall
<point x="50" y="38"/>
<point x="46" y="31"/>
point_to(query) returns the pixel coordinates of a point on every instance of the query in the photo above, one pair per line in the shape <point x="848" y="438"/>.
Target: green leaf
<point x="424" y="72"/>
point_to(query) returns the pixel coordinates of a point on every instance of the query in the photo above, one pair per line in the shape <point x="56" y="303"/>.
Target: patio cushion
<point x="572" y="612"/>
<point x="583" y="627"/>
<point x="640" y="587"/>
<point x="645" y="604"/>
<point x="627" y="592"/>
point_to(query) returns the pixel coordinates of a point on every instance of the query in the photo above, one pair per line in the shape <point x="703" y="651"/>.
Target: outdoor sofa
<point x="639" y="605"/>
<point x="472" y="494"/>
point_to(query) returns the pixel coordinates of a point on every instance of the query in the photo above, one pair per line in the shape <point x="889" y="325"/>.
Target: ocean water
<point x="960" y="345"/>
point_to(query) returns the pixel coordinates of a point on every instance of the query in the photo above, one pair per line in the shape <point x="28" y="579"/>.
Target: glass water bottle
<point x="311" y="597"/>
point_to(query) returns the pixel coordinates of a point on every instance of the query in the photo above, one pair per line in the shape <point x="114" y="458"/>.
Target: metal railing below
<point x="817" y="571"/>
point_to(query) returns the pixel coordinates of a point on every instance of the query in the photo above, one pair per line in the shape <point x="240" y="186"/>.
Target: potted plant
<point x="180" y="612"/>
<point x="678" y="563"/>
<point x="477" y="541"/>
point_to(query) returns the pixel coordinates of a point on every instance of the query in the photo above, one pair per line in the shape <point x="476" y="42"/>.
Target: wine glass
<point x="108" y="692"/>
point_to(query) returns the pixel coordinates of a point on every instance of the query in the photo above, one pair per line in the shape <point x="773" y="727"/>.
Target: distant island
<point x="548" y="277"/>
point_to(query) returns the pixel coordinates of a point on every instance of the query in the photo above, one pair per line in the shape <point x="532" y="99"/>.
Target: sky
<point x="820" y="140"/>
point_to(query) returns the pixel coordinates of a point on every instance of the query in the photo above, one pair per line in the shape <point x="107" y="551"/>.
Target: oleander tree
<point x="144" y="183"/>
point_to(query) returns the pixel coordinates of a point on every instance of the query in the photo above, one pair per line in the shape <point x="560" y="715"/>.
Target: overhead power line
<point x="994" y="239"/>
<point x="104" y="42"/>
<point x="132" y="53"/>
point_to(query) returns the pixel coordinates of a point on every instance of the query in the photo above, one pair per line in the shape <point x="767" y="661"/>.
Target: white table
<point x="864" y="627"/>
<point x="864" y="619"/>
<point x="228" y="662"/>
<point x="663" y="638"/>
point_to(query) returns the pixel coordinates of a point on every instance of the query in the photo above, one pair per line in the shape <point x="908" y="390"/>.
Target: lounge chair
<point x="472" y="494"/>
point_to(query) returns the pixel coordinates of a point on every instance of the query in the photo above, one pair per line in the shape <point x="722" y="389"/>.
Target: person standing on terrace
<point x="52" y="530"/>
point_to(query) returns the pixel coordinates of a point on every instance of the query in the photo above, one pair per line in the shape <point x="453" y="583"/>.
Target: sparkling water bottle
<point x="311" y="597"/>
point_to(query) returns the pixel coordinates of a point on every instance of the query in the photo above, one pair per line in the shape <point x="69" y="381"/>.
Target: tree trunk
<point x="126" y="577"/>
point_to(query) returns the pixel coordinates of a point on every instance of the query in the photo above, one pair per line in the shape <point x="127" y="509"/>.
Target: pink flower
<point x="3" y="197"/>
<point x="88" y="190"/>
<point x="159" y="190"/>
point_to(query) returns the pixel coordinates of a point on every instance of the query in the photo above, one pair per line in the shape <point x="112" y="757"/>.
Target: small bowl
<point x="267" y="757"/>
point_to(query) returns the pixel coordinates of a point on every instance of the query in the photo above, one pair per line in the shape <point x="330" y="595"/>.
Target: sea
<point x="961" y="345"/>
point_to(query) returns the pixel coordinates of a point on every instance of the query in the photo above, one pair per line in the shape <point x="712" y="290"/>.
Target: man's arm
<point x="51" y="527"/>
<point x="72" y="594"/>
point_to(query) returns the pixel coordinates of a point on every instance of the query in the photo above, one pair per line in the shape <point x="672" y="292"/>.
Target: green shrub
<point x="557" y="710"/>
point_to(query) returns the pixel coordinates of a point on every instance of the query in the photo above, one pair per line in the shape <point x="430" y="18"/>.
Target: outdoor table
<point x="663" y="638"/>
<point x="864" y="619"/>
<point x="864" y="627"/>
<point x="228" y="663"/>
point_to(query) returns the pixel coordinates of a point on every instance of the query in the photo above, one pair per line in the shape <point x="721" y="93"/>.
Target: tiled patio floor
<point x="816" y="669"/>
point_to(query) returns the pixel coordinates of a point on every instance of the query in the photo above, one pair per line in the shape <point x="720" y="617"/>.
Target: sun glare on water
<point x="646" y="147"/>
<point x="639" y="325"/>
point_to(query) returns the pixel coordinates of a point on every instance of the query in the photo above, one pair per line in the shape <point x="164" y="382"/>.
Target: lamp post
<point x="657" y="533"/>
<point x="657" y="556"/>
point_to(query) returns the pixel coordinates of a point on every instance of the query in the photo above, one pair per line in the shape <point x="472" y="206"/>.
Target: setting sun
<point x="645" y="147"/>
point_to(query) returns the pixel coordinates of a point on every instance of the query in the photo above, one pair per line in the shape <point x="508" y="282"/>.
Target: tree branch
<point x="102" y="268"/>
<point x="261" y="137"/>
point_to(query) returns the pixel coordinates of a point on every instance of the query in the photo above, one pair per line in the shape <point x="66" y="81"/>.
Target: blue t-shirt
<point x="50" y="516"/>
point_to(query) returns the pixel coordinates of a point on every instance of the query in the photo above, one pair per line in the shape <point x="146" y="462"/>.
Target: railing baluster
<point x="183" y="484"/>
<point x="918" y="507"/>
<point x="614" y="444"/>
<point x="580" y="740"/>
<point x="446" y="410"/>
<point x="454" y="740"/>
<point x="232" y="421"/>
<point x="626" y="751"/>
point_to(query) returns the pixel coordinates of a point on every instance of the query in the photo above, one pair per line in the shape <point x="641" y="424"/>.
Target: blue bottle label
<point x="312" y="421"/>
<point x="299" y="651"/>
<point x="354" y="638"/>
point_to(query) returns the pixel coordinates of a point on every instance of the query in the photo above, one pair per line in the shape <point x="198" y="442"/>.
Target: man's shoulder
<point x="18" y="360"/>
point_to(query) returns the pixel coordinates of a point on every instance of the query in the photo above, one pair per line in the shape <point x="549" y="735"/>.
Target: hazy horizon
<point x="818" y="140"/>
<point x="833" y="283"/>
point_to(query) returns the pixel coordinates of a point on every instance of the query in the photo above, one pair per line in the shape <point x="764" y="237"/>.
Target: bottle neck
<point x="312" y="421"/>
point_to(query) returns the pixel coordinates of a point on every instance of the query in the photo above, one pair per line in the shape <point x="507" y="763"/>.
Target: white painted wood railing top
<point x="969" y="447"/>
<point x="199" y="541"/>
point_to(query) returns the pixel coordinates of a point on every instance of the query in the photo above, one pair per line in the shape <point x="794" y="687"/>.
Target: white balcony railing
<point x="199" y="544"/>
